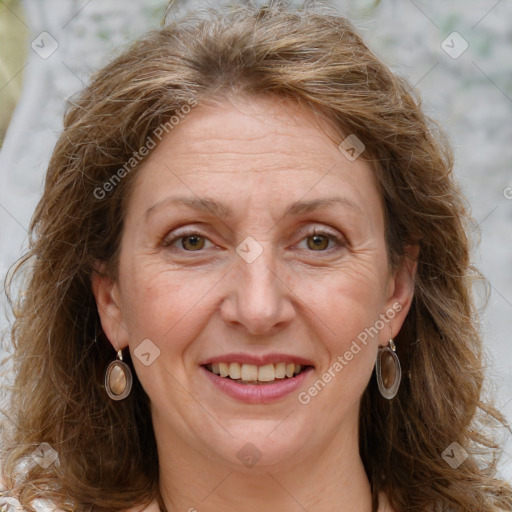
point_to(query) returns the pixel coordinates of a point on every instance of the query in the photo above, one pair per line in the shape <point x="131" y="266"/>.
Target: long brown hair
<point x="107" y="458"/>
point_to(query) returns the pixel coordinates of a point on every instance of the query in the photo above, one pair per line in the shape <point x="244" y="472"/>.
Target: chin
<point x="261" y="443"/>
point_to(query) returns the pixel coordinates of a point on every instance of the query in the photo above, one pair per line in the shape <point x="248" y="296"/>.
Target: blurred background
<point x="458" y="54"/>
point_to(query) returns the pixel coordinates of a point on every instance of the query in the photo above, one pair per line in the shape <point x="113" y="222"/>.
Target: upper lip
<point x="258" y="360"/>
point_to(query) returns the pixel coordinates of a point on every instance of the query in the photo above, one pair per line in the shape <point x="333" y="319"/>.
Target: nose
<point x="259" y="297"/>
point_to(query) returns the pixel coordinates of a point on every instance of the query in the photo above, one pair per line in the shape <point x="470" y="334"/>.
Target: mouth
<point x="257" y="375"/>
<point x="257" y="378"/>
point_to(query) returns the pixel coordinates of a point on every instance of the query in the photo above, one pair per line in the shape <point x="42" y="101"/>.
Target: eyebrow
<point x="223" y="211"/>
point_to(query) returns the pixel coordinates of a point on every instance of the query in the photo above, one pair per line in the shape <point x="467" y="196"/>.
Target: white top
<point x="383" y="506"/>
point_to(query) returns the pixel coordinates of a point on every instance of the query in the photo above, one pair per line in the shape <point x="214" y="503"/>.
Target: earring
<point x="118" y="378"/>
<point x="389" y="372"/>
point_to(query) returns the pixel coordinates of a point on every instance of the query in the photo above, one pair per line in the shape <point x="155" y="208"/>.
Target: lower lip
<point x="258" y="393"/>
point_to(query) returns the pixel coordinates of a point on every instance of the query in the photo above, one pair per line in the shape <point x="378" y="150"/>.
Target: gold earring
<point x="388" y="370"/>
<point x="118" y="378"/>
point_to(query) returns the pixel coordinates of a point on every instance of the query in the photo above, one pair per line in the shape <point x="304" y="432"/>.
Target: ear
<point x="106" y="293"/>
<point x="401" y="288"/>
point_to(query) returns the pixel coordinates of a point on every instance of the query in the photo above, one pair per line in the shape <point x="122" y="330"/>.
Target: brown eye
<point x="189" y="241"/>
<point x="192" y="242"/>
<point x="318" y="242"/>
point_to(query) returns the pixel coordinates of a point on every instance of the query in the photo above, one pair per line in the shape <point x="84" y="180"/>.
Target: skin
<point x="256" y="155"/>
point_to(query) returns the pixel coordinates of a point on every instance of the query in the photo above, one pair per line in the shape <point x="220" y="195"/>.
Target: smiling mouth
<point x="253" y="374"/>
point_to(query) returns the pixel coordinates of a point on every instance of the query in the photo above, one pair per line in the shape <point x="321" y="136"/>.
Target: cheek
<point x="346" y="300"/>
<point x="344" y="333"/>
<point x="168" y="308"/>
<point x="345" y="311"/>
<point x="163" y="304"/>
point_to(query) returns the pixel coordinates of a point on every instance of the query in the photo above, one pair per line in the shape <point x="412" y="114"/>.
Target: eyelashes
<point x="169" y="242"/>
<point x="197" y="241"/>
<point x="330" y="237"/>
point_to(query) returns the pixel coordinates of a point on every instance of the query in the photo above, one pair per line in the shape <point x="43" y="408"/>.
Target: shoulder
<point x="384" y="505"/>
<point x="152" y="507"/>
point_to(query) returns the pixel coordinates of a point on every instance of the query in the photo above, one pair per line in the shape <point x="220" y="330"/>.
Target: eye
<point x="191" y="241"/>
<point x="318" y="240"/>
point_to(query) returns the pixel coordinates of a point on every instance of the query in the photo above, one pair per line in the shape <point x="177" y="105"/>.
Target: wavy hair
<point x="107" y="457"/>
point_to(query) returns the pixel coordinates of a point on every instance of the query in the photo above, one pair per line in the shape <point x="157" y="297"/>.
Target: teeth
<point x="252" y="373"/>
<point x="266" y="373"/>
<point x="280" y="370"/>
<point x="235" y="370"/>
<point x="223" y="369"/>
<point x="249" y="372"/>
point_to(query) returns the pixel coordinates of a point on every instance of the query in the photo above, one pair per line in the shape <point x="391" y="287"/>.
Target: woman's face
<point x="219" y="263"/>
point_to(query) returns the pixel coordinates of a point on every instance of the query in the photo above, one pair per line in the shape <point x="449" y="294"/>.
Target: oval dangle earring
<point x="118" y="378"/>
<point x="388" y="370"/>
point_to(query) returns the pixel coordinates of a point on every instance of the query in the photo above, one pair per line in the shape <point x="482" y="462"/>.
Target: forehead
<point x="253" y="147"/>
<point x="268" y="127"/>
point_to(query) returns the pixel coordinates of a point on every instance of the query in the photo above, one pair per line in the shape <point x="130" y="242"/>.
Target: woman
<point x="249" y="286"/>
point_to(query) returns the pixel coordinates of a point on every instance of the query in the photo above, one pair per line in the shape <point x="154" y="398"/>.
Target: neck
<point x="330" y="478"/>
